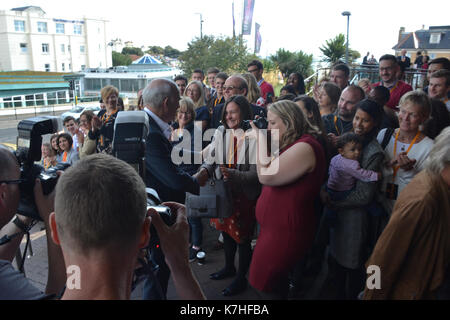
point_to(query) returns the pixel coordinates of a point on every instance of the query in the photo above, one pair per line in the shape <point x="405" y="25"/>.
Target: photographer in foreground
<point x="102" y="232"/>
<point x="13" y="285"/>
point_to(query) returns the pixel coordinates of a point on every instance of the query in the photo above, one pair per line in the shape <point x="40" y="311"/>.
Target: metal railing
<point x="415" y="77"/>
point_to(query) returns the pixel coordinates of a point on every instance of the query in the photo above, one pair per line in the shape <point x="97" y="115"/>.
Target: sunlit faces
<point x="276" y="126"/>
<point x="323" y="98"/>
<point x="181" y="85"/>
<point x="193" y="92"/>
<point x="45" y="151"/>
<point x="84" y="123"/>
<point x="197" y="76"/>
<point x="338" y="77"/>
<point x="363" y="122"/>
<point x="211" y="77"/>
<point x="351" y="150"/>
<point x="347" y="103"/>
<point x="184" y="117"/>
<point x="71" y="126"/>
<point x="432" y="68"/>
<point x="233" y="115"/>
<point x="112" y="100"/>
<point x="54" y="143"/>
<point x="437" y="88"/>
<point x="388" y="71"/>
<point x="219" y="86"/>
<point x="232" y="87"/>
<point x="64" y="144"/>
<point x="410" y="117"/>
<point x="293" y="80"/>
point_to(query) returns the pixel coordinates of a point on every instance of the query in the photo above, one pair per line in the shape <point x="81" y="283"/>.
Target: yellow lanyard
<point x="392" y="89"/>
<point x="337" y="130"/>
<point x="104" y="122"/>
<point x="409" y="148"/>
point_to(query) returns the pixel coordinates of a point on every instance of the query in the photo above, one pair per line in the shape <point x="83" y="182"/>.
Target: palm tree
<point x="334" y="50"/>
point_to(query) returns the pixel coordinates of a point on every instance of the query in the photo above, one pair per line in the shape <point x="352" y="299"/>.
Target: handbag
<point x="214" y="200"/>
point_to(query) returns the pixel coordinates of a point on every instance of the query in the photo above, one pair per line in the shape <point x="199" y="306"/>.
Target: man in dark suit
<point x="161" y="100"/>
<point x="234" y="85"/>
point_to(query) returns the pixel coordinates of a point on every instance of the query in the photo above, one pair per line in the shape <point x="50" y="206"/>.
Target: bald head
<point x="161" y="96"/>
<point x="235" y="85"/>
<point x="9" y="165"/>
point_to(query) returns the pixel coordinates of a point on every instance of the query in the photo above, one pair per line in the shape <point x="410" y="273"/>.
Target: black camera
<point x="130" y="132"/>
<point x="166" y="215"/>
<point x="260" y="123"/>
<point x="28" y="151"/>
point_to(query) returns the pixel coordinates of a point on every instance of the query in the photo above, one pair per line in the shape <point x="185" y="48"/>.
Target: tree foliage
<point x="334" y="50"/>
<point x="119" y="59"/>
<point x="288" y="62"/>
<point x="132" y="50"/>
<point x="229" y="54"/>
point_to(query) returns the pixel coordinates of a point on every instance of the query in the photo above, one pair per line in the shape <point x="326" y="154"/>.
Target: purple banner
<point x="258" y="38"/>
<point x="248" y="16"/>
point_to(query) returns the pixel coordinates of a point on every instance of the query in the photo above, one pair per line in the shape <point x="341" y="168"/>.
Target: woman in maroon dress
<point x="285" y="210"/>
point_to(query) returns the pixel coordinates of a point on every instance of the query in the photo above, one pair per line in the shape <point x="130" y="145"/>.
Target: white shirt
<point x="164" y="126"/>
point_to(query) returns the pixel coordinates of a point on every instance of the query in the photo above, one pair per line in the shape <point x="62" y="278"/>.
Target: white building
<point x="30" y="40"/>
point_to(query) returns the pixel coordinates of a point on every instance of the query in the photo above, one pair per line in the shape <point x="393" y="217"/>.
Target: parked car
<point x="78" y="110"/>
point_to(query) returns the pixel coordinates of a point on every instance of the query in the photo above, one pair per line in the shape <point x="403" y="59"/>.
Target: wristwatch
<point x="21" y="225"/>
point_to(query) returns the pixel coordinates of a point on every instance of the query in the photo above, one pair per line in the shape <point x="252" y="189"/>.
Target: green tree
<point x="334" y="50"/>
<point x="119" y="59"/>
<point x="288" y="62"/>
<point x="229" y="54"/>
<point x="171" y="52"/>
<point x="155" y="50"/>
<point x="133" y="50"/>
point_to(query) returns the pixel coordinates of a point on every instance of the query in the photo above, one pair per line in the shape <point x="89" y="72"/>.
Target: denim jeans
<point x="196" y="231"/>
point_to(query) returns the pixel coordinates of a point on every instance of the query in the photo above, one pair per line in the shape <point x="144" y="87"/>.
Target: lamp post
<point x="347" y="13"/>
<point x="201" y="23"/>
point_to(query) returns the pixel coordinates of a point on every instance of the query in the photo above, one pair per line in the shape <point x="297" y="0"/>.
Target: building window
<point x="47" y="67"/>
<point x="23" y="48"/>
<point x="42" y="27"/>
<point x="82" y="49"/>
<point x="83" y="66"/>
<point x="63" y="48"/>
<point x="63" y="66"/>
<point x="77" y="29"/>
<point x="68" y="48"/>
<point x="435" y="38"/>
<point x="19" y="25"/>
<point x="45" y="48"/>
<point x="60" y="28"/>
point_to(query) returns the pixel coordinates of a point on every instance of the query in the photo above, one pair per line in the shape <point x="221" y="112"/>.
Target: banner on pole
<point x="248" y="16"/>
<point x="258" y="38"/>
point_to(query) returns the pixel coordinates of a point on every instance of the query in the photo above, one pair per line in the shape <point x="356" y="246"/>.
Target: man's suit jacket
<point x="161" y="173"/>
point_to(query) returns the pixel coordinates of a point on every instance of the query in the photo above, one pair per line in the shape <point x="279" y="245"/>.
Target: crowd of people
<point x="359" y="172"/>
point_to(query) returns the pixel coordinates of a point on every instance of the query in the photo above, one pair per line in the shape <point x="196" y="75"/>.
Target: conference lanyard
<point x="104" y="122"/>
<point x="335" y="125"/>
<point x="232" y="150"/>
<point x="409" y="148"/>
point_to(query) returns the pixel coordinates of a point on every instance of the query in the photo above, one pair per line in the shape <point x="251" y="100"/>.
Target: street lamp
<point x="201" y="22"/>
<point x="347" y="13"/>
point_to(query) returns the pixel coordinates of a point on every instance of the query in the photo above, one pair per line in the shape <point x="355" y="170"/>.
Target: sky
<point x="290" y="24"/>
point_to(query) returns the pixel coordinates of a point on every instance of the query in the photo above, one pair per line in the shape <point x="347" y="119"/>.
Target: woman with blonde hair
<point x="254" y="92"/>
<point x="194" y="91"/>
<point x="292" y="177"/>
<point x="103" y="124"/>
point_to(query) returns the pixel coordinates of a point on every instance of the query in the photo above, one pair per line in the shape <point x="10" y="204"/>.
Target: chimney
<point x="402" y="30"/>
<point x="423" y="27"/>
